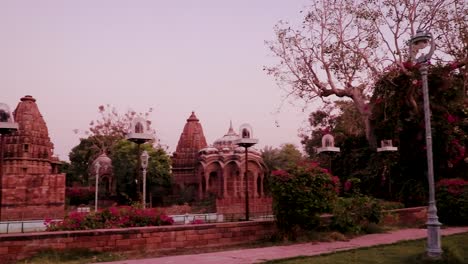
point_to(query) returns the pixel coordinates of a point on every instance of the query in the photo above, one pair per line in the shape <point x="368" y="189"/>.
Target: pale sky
<point x="175" y="56"/>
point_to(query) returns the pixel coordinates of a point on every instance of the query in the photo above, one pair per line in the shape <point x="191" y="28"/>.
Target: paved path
<point x="256" y="255"/>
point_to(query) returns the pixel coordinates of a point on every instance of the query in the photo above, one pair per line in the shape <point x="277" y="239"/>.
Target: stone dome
<point x="105" y="162"/>
<point x="209" y="150"/>
<point x="227" y="140"/>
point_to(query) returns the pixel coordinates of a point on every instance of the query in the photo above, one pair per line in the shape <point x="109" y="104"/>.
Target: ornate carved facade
<point x="32" y="188"/>
<point x="219" y="170"/>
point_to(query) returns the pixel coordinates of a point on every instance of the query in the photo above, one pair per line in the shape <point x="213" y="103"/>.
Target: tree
<point x="124" y="161"/>
<point x="113" y="126"/>
<point x="281" y="158"/>
<point x="107" y="135"/>
<point x="398" y="115"/>
<point x="81" y="157"/>
<point x="343" y="46"/>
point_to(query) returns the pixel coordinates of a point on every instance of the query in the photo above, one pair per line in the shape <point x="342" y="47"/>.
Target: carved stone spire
<point x="191" y="141"/>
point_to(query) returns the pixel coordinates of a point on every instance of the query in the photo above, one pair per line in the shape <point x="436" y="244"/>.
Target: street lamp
<point x="144" y="165"/>
<point x="7" y="126"/>
<point x="97" y="167"/>
<point x="246" y="141"/>
<point x="420" y="41"/>
<point x="139" y="135"/>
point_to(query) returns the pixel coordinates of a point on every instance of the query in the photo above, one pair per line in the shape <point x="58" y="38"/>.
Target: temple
<point x="32" y="187"/>
<point x="218" y="170"/>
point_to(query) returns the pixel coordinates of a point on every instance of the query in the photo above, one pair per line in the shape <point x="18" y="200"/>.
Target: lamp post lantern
<point x="246" y="141"/>
<point x="139" y="135"/>
<point x="97" y="167"/>
<point x="420" y="41"/>
<point x="144" y="165"/>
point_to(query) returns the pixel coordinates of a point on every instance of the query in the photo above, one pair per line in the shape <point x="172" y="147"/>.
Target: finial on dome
<point x="192" y="117"/>
<point x="231" y="130"/>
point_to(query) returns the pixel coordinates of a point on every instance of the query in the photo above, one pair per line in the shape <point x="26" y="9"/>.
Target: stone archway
<point x="214" y="179"/>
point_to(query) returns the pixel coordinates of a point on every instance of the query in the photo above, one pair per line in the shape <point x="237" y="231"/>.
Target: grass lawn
<point x="408" y="252"/>
<point x="71" y="257"/>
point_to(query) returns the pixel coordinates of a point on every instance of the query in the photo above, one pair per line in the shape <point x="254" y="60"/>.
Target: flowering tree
<point x="343" y="47"/>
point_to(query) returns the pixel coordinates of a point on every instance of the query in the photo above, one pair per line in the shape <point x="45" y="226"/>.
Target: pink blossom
<point x="347" y="186"/>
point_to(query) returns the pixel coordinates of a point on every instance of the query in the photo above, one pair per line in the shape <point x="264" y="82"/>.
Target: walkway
<point x="256" y="255"/>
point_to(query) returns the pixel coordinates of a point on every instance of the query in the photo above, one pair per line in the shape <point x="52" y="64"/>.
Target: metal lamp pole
<point x="144" y="165"/>
<point x="97" y="167"/>
<point x="246" y="141"/>
<point x="419" y="41"/>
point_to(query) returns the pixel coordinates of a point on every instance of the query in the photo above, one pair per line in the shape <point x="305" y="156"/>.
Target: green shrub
<point x="355" y="214"/>
<point x="300" y="194"/>
<point x="452" y="201"/>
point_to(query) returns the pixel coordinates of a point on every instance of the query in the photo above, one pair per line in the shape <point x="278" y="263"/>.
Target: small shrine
<point x="138" y="131"/>
<point x="328" y="144"/>
<point x="106" y="180"/>
<point x="386" y="145"/>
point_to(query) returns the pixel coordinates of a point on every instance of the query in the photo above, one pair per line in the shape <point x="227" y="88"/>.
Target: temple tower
<point x="31" y="185"/>
<point x="184" y="159"/>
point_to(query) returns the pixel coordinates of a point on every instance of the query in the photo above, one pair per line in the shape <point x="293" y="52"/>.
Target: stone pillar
<point x="254" y="185"/>
<point x="262" y="193"/>
<point x="225" y="180"/>
<point x="241" y="181"/>
<point x="200" y="187"/>
<point x="207" y="182"/>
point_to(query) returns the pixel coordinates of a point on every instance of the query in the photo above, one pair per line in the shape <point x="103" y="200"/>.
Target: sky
<point x="174" y="56"/>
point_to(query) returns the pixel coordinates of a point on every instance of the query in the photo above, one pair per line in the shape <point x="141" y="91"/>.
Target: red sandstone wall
<point x="414" y="217"/>
<point x="33" y="196"/>
<point x="149" y="239"/>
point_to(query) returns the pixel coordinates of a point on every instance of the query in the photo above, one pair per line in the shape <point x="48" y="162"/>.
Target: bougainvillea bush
<point x="113" y="217"/>
<point x="79" y="195"/>
<point x="300" y="194"/>
<point x="452" y="201"/>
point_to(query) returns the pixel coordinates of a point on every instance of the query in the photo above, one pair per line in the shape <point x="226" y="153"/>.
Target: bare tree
<point x="344" y="46"/>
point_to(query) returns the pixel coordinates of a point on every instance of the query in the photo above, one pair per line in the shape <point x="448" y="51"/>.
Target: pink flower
<point x="347" y="186"/>
<point x="451" y="119"/>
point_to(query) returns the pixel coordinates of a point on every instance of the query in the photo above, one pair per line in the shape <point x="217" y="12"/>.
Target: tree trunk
<point x="365" y="111"/>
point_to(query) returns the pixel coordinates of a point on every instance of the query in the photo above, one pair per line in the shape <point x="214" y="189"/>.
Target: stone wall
<point x="149" y="239"/>
<point x="413" y="217"/>
<point x="33" y="196"/>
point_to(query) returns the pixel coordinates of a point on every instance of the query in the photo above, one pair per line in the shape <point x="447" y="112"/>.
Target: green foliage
<point x="355" y="214"/>
<point x="81" y="156"/>
<point x="398" y="114"/>
<point x="71" y="256"/>
<point x="300" y="194"/>
<point x="124" y="157"/>
<point x="281" y="158"/>
<point x="455" y="249"/>
<point x="452" y="201"/>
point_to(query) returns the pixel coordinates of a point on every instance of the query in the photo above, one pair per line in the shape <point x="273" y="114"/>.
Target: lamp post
<point x="97" y="167"/>
<point x="420" y="41"/>
<point x="7" y="126"/>
<point x="246" y="141"/>
<point x="139" y="135"/>
<point x="144" y="165"/>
